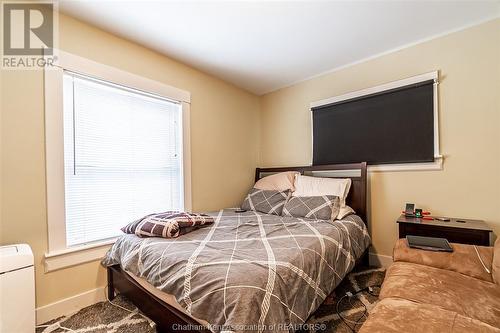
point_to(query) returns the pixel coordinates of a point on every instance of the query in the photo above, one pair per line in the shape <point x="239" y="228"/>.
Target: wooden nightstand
<point x="474" y="232"/>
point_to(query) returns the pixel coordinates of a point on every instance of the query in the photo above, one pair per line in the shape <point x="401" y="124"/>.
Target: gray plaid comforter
<point x="248" y="271"/>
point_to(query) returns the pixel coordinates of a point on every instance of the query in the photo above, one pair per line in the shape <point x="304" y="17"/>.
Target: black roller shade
<point x="393" y="126"/>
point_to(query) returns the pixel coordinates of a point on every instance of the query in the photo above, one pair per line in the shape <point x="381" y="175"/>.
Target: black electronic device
<point x="429" y="243"/>
<point x="239" y="210"/>
<point x="409" y="209"/>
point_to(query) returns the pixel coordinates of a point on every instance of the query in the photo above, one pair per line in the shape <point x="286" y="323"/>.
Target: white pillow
<point x="344" y="211"/>
<point x="306" y="186"/>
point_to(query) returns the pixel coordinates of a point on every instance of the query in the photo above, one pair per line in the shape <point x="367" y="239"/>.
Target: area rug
<point x="107" y="318"/>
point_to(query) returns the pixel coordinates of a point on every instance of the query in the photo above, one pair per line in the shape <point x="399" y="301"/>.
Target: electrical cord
<point x="349" y="294"/>
<point x="346" y="321"/>
<point x="363" y="314"/>
<point x="481" y="260"/>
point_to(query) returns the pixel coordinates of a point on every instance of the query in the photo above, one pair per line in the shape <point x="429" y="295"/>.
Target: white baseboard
<point x="69" y="305"/>
<point x="380" y="260"/>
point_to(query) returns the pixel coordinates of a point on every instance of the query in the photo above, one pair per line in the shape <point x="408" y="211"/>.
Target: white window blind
<point x="122" y="157"/>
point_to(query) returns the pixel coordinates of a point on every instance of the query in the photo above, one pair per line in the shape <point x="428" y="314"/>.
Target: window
<point x="122" y="157"/>
<point x="117" y="148"/>
<point x="388" y="125"/>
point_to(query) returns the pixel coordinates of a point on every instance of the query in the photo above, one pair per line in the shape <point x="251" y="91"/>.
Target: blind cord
<point x="74" y="125"/>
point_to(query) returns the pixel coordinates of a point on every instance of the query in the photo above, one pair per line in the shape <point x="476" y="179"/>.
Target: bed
<point x="247" y="272"/>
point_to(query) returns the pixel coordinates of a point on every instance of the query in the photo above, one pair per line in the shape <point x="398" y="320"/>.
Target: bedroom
<point x="248" y="90"/>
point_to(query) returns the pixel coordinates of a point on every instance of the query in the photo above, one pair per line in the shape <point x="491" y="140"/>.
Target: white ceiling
<point x="263" y="46"/>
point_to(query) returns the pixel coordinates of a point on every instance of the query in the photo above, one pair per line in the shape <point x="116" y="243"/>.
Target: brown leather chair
<point x="426" y="291"/>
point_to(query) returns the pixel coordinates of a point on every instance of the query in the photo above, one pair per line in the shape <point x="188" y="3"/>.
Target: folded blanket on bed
<point x="169" y="224"/>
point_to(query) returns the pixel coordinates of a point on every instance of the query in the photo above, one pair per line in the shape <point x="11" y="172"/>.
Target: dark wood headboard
<point x="356" y="171"/>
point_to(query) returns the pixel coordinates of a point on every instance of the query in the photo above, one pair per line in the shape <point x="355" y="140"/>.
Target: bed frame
<point x="170" y="319"/>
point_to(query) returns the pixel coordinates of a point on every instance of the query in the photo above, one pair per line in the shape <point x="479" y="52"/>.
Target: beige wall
<point x="224" y="140"/>
<point x="469" y="112"/>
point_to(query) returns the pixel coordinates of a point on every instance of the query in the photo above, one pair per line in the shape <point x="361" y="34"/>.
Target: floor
<point x="107" y="318"/>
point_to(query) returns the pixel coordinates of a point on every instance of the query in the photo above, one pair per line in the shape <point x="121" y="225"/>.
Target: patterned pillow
<point x="325" y="207"/>
<point x="265" y="201"/>
<point x="169" y="224"/>
<point x="130" y="228"/>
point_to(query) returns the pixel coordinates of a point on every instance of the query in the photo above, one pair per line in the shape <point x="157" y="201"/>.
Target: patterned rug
<point x="107" y="318"/>
<point x="353" y="310"/>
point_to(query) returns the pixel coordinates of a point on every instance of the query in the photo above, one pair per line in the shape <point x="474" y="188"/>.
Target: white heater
<point x="17" y="289"/>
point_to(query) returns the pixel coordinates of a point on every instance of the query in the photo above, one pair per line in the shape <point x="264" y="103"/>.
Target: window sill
<point x="436" y="165"/>
<point x="76" y="255"/>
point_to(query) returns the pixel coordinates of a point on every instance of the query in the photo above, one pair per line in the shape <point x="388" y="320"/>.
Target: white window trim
<point x="59" y="255"/>
<point x="438" y="158"/>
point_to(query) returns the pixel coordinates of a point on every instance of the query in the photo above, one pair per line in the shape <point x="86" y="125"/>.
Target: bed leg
<point x="365" y="259"/>
<point x="111" y="288"/>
